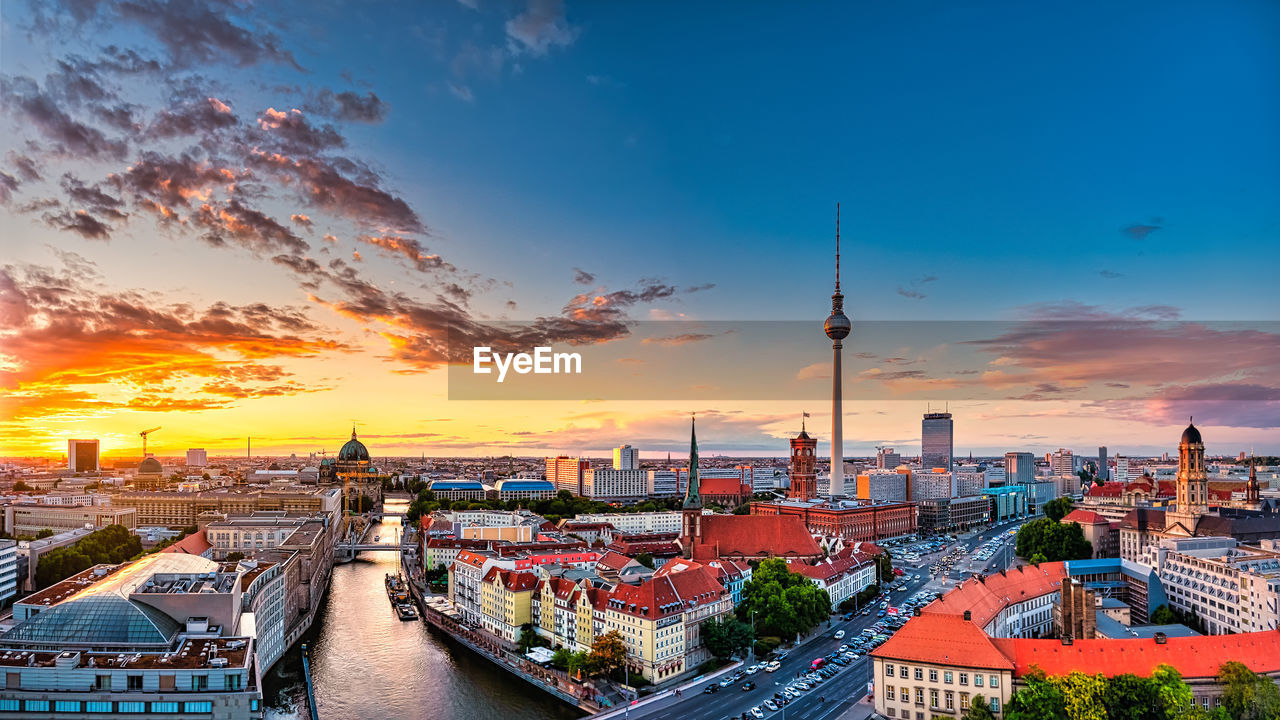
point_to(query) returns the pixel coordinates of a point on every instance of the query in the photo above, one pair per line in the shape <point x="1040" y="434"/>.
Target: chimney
<point x="1161" y="638"/>
<point x="968" y="615"/>
<point x="1066" y="640"/>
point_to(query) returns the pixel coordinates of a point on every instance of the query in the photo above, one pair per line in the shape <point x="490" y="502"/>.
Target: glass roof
<point x="103" y="613"/>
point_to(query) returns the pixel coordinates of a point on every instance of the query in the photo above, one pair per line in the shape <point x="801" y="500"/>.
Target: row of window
<point x="949" y="699"/>
<point x="119" y="707"/>
<point x="947" y="676"/>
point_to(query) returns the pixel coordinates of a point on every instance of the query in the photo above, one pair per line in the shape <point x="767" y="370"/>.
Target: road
<point x="849" y="684"/>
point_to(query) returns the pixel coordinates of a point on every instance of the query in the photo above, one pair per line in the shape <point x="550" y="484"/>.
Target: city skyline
<point x="273" y="239"/>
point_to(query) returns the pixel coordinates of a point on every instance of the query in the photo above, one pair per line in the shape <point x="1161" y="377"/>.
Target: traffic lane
<point x="850" y="681"/>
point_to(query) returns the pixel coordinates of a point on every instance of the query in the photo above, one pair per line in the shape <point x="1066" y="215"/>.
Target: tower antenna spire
<point x="837" y="247"/>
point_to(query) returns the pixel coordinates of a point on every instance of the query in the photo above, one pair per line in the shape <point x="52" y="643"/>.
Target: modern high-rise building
<point x="1103" y="473"/>
<point x="197" y="457"/>
<point x="82" y="455"/>
<point x="937" y="441"/>
<point x="566" y="473"/>
<point x="1062" y="462"/>
<point x="887" y="459"/>
<point x="1019" y="468"/>
<point x="626" y="457"/>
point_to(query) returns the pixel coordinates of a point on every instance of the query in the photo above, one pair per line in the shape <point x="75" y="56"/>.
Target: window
<point x="9" y="706"/>
<point x="135" y="682"/>
<point x="995" y="681"/>
<point x="933" y="698"/>
<point x="902" y="672"/>
<point x="102" y="682"/>
<point x="40" y="706"/>
<point x="977" y="680"/>
<point x="919" y="673"/>
<point x="964" y="678"/>
<point x="888" y="670"/>
<point x="97" y="706"/>
<point x="933" y="676"/>
<point x="888" y="693"/>
<point x="919" y="696"/>
<point x="231" y="682"/>
<point x="995" y="704"/>
<point x="131" y="707"/>
<point x="66" y="706"/>
<point x="964" y="701"/>
<point x="166" y="707"/>
<point x="197" y="707"/>
<point x="951" y="700"/>
<point x="253" y="704"/>
<point x="946" y="678"/>
<point x="199" y="682"/>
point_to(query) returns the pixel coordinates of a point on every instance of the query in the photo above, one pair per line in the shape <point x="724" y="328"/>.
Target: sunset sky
<point x="232" y="220"/>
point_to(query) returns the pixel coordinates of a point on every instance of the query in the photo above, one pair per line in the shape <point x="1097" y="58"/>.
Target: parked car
<point x="757" y="712"/>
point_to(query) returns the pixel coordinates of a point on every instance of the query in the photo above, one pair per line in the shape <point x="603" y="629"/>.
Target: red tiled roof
<point x="1111" y="489"/>
<point x="722" y="486"/>
<point x="965" y="644"/>
<point x="754" y="536"/>
<point x="1194" y="657"/>
<point x="1084" y="517"/>
<point x="613" y="560"/>
<point x="985" y="598"/>
<point x="193" y="544"/>
<point x="668" y="594"/>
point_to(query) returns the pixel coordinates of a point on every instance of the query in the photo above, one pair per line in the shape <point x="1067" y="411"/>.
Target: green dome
<point x="150" y="466"/>
<point x="353" y="450"/>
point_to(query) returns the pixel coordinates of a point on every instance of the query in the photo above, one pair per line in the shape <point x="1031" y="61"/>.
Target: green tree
<point x="645" y="559"/>
<point x="43" y="533"/>
<point x="1058" y="508"/>
<point x="1247" y="695"/>
<point x="22" y="487"/>
<point x="980" y="709"/>
<point x="781" y="602"/>
<point x="1163" y="615"/>
<point x="1172" y="695"/>
<point x="1082" y="695"/>
<point x="235" y="556"/>
<point x="726" y="637"/>
<point x="1054" y="540"/>
<point x="1039" y="699"/>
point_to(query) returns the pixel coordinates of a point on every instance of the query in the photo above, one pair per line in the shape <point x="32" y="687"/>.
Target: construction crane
<point x="144" y="435"/>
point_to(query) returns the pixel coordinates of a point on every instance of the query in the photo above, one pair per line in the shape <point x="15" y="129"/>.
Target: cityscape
<point x="547" y="360"/>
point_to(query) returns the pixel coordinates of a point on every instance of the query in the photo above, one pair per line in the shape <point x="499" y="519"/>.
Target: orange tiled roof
<point x="1194" y="657"/>
<point x="1084" y="517"/>
<point x="754" y="536"/>
<point x="193" y="544"/>
<point x="985" y="598"/>
<point x="965" y="644"/>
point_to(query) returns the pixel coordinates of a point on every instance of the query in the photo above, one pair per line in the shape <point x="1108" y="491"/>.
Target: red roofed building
<point x="842" y="578"/>
<point x="729" y="492"/>
<point x="1102" y="533"/>
<point x="1012" y="603"/>
<point x="753" y="537"/>
<point x="194" y="544"/>
<point x="851" y="521"/>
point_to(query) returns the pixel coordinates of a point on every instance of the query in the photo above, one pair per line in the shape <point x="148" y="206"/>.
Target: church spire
<point x="692" y="496"/>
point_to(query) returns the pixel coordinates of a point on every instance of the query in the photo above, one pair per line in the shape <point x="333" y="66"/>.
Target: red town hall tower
<point x="804" y="476"/>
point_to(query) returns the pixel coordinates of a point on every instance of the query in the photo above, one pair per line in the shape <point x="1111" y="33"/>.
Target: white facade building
<point x="626" y="457"/>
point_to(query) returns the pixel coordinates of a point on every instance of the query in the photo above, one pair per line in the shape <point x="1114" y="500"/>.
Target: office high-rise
<point x="566" y="473"/>
<point x="1063" y="462"/>
<point x="1102" y="463"/>
<point x="887" y="458"/>
<point x="197" y="458"/>
<point x="82" y="455"/>
<point x="937" y="441"/>
<point x="1019" y="468"/>
<point x="626" y="457"/>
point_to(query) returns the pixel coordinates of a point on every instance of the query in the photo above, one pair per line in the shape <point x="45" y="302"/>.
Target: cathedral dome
<point x="353" y="450"/>
<point x="1191" y="436"/>
<point x="150" y="466"/>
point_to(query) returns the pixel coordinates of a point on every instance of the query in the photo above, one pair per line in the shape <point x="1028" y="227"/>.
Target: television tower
<point x="837" y="328"/>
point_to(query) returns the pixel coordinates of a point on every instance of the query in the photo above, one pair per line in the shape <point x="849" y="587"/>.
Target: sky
<point x="235" y="220"/>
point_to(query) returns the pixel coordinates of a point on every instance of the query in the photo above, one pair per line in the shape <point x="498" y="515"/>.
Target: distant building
<point x="937" y="441"/>
<point x="664" y="483"/>
<point x="884" y="486"/>
<point x="613" y="485"/>
<point x="8" y="570"/>
<point x="1019" y="468"/>
<point x="518" y="489"/>
<point x="197" y="458"/>
<point x="29" y="519"/>
<point x="1104" y="471"/>
<point x="1062" y="462"/>
<point x="887" y="459"/>
<point x="804" y="477"/>
<point x="566" y="473"/>
<point x="626" y="457"/>
<point x="457" y="489"/>
<point x="82" y="455"/>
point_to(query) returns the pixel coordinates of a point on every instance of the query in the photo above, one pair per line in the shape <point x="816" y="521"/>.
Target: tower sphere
<point x="838" y="326"/>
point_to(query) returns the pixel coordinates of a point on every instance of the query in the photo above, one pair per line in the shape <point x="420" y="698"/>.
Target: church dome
<point x="1191" y="436"/>
<point x="150" y="466"/>
<point x="353" y="450"/>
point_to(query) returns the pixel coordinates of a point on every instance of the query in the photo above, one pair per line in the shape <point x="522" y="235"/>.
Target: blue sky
<point x="998" y="160"/>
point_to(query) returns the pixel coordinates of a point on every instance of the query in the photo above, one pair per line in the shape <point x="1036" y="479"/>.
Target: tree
<point x="1129" y="697"/>
<point x="1054" y="540"/>
<point x="1039" y="699"/>
<point x="22" y="487"/>
<point x="645" y="559"/>
<point x="235" y="556"/>
<point x="884" y="563"/>
<point x="1082" y="695"/>
<point x="608" y="653"/>
<point x="727" y="637"/>
<point x="1164" y="615"/>
<point x="43" y="533"/>
<point x="783" y="603"/>
<point x="1247" y="695"/>
<point x="979" y="709"/>
<point x="1057" y="509"/>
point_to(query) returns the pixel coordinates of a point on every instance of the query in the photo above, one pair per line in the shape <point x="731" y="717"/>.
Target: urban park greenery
<point x="782" y="603"/>
<point x="112" y="544"/>
<point x="1047" y="540"/>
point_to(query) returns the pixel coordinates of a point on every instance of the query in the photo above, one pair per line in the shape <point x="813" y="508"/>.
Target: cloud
<point x="196" y="117"/>
<point x="294" y="135"/>
<point x="582" y="277"/>
<point x="79" y="222"/>
<point x="914" y="295"/>
<point x="198" y="33"/>
<point x="8" y="186"/>
<point x="25" y="100"/>
<point x="348" y="106"/>
<point x="25" y="166"/>
<point x="816" y="371"/>
<point x="236" y="223"/>
<point x="683" y="339"/>
<point x="1110" y="274"/>
<point x="462" y="92"/>
<point x="303" y="221"/>
<point x="324" y="183"/>
<point x="540" y="27"/>
<point x="407" y="248"/>
<point x="1139" y="232"/>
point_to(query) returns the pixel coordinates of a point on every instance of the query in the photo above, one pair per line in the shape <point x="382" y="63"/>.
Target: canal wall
<point x="506" y="660"/>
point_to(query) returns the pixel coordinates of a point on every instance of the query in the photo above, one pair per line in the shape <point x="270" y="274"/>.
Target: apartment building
<point x="506" y="600"/>
<point x="1230" y="587"/>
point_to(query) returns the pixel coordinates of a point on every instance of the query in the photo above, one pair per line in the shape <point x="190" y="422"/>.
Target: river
<point x="367" y="663"/>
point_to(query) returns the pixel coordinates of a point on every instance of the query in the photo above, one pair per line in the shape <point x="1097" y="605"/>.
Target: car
<point x="790" y="693"/>
<point x="727" y="681"/>
<point x="782" y="655"/>
<point x="739" y="675"/>
<point x="753" y="670"/>
<point x="843" y="648"/>
<point x="711" y="689"/>
<point x="839" y="635"/>
<point x="748" y="685"/>
<point x="773" y="666"/>
<point x="880" y="614"/>
<point x="771" y="704"/>
<point x="757" y="712"/>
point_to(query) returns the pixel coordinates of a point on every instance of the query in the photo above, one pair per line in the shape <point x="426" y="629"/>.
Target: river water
<point x="367" y="663"/>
